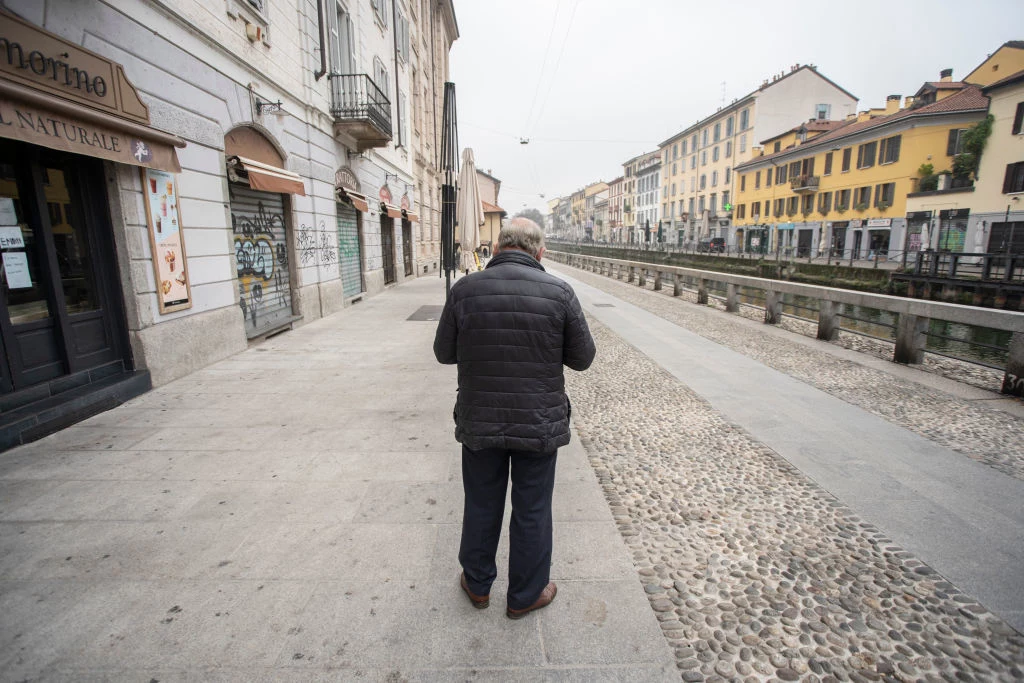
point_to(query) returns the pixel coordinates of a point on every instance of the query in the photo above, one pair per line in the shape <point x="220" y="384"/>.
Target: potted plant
<point x="883" y="205"/>
<point x="862" y="206"/>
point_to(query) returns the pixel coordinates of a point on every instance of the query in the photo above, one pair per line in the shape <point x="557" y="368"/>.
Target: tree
<point x="533" y="214"/>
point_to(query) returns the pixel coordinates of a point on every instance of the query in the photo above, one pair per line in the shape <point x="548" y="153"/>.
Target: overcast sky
<point x="592" y="83"/>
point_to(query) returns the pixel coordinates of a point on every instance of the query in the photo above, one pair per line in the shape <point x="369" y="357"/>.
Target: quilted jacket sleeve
<point x="578" y="347"/>
<point x="447" y="336"/>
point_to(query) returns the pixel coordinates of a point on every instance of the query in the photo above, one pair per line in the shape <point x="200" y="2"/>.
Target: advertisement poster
<point x="161" y="197"/>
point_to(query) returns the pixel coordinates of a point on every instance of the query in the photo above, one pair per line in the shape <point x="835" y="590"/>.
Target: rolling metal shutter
<point x="261" y="255"/>
<point x="349" y="256"/>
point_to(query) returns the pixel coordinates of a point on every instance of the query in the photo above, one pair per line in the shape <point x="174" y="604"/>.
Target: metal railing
<point x="805" y="183"/>
<point x="357" y="97"/>
<point x="967" y="266"/>
<point x="912" y="323"/>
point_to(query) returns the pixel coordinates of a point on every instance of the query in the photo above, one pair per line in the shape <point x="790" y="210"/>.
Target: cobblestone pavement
<point x="986" y="435"/>
<point x="754" y="571"/>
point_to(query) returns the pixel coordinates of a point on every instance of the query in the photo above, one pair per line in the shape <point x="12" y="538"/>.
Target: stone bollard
<point x="828" y="320"/>
<point x="657" y="281"/>
<point x="732" y="299"/>
<point x="910" y="339"/>
<point x="772" y="308"/>
<point x="702" y="292"/>
<point x="643" y="277"/>
<point x="677" y="285"/>
<point x="1013" y="380"/>
<point x="631" y="274"/>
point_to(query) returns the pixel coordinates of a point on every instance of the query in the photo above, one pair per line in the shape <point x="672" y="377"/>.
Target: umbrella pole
<point x="450" y="168"/>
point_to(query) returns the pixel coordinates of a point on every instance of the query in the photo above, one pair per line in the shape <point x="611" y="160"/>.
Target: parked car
<point x="712" y="246"/>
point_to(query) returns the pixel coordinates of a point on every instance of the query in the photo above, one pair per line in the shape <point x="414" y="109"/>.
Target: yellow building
<point x="845" y="189"/>
<point x="579" y="212"/>
<point x="1003" y="63"/>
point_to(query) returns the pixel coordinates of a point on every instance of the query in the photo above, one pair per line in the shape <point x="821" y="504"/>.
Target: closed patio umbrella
<point x="469" y="210"/>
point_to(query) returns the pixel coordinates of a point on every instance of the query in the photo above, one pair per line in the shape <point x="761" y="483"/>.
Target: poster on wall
<point x="160" y="190"/>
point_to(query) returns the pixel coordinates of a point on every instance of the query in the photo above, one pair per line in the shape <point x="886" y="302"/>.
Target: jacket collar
<point x="514" y="256"/>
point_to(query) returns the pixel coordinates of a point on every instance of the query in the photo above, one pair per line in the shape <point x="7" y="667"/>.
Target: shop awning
<point x="268" y="178"/>
<point x="392" y="211"/>
<point x="42" y="119"/>
<point x="355" y="198"/>
<point x="410" y="216"/>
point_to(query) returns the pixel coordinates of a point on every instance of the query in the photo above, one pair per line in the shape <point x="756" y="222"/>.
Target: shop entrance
<point x="61" y="309"/>
<point x="387" y="245"/>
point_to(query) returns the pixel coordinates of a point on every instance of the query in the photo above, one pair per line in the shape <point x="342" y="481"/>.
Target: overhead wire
<point x="543" y="66"/>
<point x="558" y="63"/>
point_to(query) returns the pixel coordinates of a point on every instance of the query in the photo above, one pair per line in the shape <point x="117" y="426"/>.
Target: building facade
<point x="648" y="196"/>
<point x="235" y="177"/>
<point x="698" y="162"/>
<point x="844" y="191"/>
<point x="615" y="200"/>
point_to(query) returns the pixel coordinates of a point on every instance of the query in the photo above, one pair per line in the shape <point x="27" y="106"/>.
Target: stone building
<point x="181" y="178"/>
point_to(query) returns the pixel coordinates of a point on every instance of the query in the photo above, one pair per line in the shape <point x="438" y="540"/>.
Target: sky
<point x="592" y="83"/>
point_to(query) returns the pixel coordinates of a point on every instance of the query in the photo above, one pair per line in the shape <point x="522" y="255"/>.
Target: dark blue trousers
<point x="485" y="476"/>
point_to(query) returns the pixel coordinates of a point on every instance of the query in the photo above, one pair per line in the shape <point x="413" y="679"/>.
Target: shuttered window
<point x="1018" y="119"/>
<point x="261" y="257"/>
<point x="955" y="142"/>
<point x="1014" y="179"/>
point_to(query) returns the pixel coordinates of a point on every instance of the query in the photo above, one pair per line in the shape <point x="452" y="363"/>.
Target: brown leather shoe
<point x="479" y="601"/>
<point x="546" y="596"/>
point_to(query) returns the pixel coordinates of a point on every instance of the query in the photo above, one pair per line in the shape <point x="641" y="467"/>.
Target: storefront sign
<point x="855" y="223"/>
<point x="11" y="237"/>
<point x="344" y="177"/>
<point x="20" y="121"/>
<point x="385" y="194"/>
<point x="168" y="245"/>
<point x="879" y="222"/>
<point x="44" y="61"/>
<point x="16" y="270"/>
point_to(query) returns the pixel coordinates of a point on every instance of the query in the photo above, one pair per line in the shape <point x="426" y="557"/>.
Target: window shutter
<point x="954" y="133"/>
<point x="1008" y="179"/>
<point x="1018" y="119"/>
<point x="860" y="156"/>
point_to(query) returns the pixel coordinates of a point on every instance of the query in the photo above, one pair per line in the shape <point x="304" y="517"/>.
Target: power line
<point x="587" y="140"/>
<point x="544" y="63"/>
<point x="565" y="39"/>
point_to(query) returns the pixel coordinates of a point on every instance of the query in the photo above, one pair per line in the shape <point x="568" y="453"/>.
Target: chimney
<point x="908" y="102"/>
<point x="946" y="75"/>
<point x="863" y="116"/>
<point x="892" y="104"/>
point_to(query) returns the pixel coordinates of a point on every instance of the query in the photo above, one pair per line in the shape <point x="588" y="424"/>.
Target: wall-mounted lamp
<point x="389" y="175"/>
<point x="269" y="107"/>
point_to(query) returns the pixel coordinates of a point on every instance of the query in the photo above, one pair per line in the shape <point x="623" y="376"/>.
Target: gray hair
<point x="521" y="233"/>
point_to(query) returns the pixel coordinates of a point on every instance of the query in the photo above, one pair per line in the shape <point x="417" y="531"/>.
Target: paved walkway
<point x="292" y="513"/>
<point x="962" y="518"/>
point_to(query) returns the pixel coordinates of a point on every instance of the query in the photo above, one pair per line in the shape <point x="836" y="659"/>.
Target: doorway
<point x="407" y="246"/>
<point x="60" y="309"/>
<point x="387" y="247"/>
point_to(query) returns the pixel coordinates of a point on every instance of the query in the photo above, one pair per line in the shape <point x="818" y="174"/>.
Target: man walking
<point x="511" y="328"/>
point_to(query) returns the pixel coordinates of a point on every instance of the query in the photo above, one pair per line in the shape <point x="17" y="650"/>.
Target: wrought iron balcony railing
<point x="805" y="183"/>
<point x="355" y="98"/>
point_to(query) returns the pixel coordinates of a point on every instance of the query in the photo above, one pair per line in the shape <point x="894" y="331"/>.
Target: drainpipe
<point x="398" y="86"/>
<point x="323" y="53"/>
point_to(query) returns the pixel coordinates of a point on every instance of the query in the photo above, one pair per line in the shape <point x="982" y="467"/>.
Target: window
<point x="693" y="143"/>
<point x="743" y="183"/>
<point x="890" y="150"/>
<point x="792" y="205"/>
<point x="728" y="175"/>
<point x="714" y="205"/>
<point x="781" y="173"/>
<point x="704" y="138"/>
<point x="780" y="207"/>
<point x="767" y="209"/>
<point x="885" y="193"/>
<point x="846" y="159"/>
<point x="714" y="179"/>
<point x="701" y="205"/>
<point x="757" y="180"/>
<point x="777" y="147"/>
<point x="1018" y="119"/>
<point x="693" y="162"/>
<point x="768" y="178"/>
<point x="825" y="202"/>
<point x="866" y="155"/>
<point x="402" y="31"/>
<point x="807" y="167"/>
<point x="741" y="210"/>
<point x="340" y="28"/>
<point x="380" y="10"/>
<point x="807" y="204"/>
<point x="862" y="198"/>
<point x="822" y="112"/>
<point x="843" y="199"/>
<point x="955" y="142"/>
<point x="675" y="151"/>
<point x="743" y="144"/>
<point x="714" y="154"/>
<point x="693" y="184"/>
<point x="728" y="149"/>
<point x="703" y="181"/>
<point x="728" y="127"/>
<point x="675" y="168"/>
<point x="828" y="164"/>
<point x="1013" y="181"/>
<point x="704" y="158"/>
<point x="794" y="169"/>
<point x="691" y="206"/>
<point x="380" y="76"/>
<point x="673" y="189"/>
<point x="403" y="133"/>
<point x="744" y="119"/>
<point x="725" y="200"/>
<point x="718" y="132"/>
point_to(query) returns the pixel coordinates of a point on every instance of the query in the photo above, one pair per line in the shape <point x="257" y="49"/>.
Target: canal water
<point x="974" y="344"/>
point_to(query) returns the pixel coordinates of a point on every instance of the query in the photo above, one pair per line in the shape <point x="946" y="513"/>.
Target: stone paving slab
<point x="293" y="513"/>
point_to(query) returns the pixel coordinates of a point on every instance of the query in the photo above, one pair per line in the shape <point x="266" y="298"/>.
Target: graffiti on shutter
<point x="261" y="256"/>
<point x="348" y="250"/>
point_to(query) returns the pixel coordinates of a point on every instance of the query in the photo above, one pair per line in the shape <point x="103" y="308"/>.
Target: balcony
<point x="804" y="183"/>
<point x="360" y="110"/>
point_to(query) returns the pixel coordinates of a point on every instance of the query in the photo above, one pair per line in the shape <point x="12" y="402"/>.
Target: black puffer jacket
<point x="511" y="328"/>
